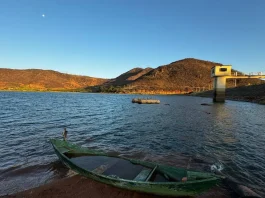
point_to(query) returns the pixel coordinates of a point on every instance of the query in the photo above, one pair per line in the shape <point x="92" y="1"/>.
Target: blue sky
<point x="104" y="38"/>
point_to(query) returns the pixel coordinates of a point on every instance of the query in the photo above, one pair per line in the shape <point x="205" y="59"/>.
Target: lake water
<point x="179" y="131"/>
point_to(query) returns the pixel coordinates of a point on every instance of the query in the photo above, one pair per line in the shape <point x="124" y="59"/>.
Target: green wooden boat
<point x="133" y="174"/>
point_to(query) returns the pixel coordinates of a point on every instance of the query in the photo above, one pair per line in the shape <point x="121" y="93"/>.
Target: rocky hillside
<point x="43" y="80"/>
<point x="128" y="77"/>
<point x="181" y="76"/>
<point x="177" y="77"/>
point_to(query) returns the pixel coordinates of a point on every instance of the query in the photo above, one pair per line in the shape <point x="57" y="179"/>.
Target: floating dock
<point x="145" y="101"/>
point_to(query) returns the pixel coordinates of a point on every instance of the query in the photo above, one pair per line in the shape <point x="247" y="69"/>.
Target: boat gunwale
<point x="134" y="161"/>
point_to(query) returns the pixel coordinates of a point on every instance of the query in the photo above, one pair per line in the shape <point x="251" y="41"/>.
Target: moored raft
<point x="145" y="101"/>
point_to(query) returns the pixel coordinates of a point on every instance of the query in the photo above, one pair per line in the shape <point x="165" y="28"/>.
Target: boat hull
<point x="188" y="188"/>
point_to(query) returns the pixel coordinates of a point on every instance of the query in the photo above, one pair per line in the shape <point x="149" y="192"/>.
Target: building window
<point x="223" y="69"/>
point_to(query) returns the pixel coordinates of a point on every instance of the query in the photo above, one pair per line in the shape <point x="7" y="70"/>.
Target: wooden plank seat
<point x="145" y="174"/>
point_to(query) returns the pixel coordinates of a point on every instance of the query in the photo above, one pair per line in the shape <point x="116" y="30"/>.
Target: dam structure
<point x="220" y="74"/>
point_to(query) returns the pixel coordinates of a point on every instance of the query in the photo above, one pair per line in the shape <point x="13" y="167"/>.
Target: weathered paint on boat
<point x="197" y="182"/>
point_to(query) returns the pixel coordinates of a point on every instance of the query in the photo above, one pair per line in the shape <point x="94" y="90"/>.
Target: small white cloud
<point x="43" y="15"/>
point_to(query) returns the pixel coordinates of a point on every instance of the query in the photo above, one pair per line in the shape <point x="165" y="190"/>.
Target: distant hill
<point x="43" y="80"/>
<point x="177" y="77"/>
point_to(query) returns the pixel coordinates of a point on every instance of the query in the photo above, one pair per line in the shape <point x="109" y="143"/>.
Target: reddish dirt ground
<point x="81" y="187"/>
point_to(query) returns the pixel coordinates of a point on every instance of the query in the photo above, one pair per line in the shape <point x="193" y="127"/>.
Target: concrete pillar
<point x="219" y="89"/>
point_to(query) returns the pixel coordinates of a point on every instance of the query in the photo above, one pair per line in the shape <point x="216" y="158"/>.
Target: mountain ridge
<point x="44" y="80"/>
<point x="176" y="77"/>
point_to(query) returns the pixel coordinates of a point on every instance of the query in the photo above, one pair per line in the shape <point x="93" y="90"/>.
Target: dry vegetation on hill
<point x="177" y="77"/>
<point x="128" y="77"/>
<point x="43" y="80"/>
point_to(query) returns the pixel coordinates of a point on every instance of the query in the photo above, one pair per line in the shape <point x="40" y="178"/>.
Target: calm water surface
<point x="183" y="133"/>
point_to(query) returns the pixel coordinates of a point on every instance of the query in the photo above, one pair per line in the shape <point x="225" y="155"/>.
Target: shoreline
<point x="82" y="187"/>
<point x="252" y="99"/>
<point x="255" y="100"/>
<point x="76" y="186"/>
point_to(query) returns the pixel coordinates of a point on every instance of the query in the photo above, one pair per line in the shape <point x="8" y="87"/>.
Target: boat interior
<point x="119" y="168"/>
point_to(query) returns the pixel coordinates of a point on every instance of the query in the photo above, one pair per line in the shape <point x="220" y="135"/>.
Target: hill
<point x="43" y="80"/>
<point x="177" y="77"/>
<point x="128" y="77"/>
